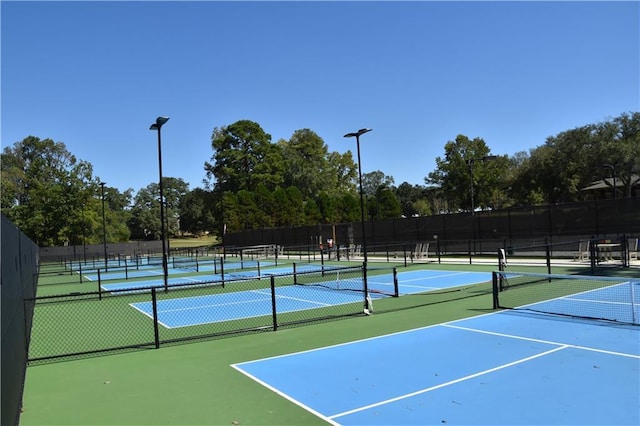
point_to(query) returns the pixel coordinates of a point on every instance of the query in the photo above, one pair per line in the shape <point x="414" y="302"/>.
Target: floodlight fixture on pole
<point x="165" y="273"/>
<point x="364" y="238"/>
<point x="104" y="227"/>
<point x="470" y="164"/>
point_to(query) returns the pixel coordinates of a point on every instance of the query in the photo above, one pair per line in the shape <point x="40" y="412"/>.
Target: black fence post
<point x="404" y="252"/>
<point x="548" y="254"/>
<point x="624" y="252"/>
<point x="154" y="304"/>
<point x="99" y="286"/>
<point x="222" y="270"/>
<point x="593" y="254"/>
<point x="273" y="303"/>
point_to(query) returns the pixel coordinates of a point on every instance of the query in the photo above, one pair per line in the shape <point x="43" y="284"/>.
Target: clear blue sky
<point x="95" y="75"/>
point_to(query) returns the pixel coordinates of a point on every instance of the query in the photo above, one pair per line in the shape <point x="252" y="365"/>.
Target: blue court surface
<point x="121" y="273"/>
<point x="189" y="311"/>
<point x="508" y="368"/>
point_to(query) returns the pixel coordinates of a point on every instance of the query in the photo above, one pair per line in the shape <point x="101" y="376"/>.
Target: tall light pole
<point x="470" y="163"/>
<point x="157" y="126"/>
<point x="84" y="240"/>
<point x="364" y="239"/>
<point x="104" y="227"/>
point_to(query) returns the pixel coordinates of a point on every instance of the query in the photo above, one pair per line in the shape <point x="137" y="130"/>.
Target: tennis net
<point x="350" y="279"/>
<point x="594" y="297"/>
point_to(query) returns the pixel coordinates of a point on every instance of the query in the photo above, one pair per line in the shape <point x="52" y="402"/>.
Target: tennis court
<point x="205" y="309"/>
<point x="143" y="271"/>
<point x="516" y="367"/>
<point x="180" y="278"/>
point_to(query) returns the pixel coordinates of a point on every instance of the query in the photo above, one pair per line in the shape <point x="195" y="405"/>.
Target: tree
<point x="349" y="207"/>
<point x="619" y="151"/>
<point x="386" y="204"/>
<point x="407" y="195"/>
<point x="465" y="172"/>
<point x="52" y="196"/>
<point x="197" y="212"/>
<point x="342" y="173"/>
<point x="307" y="166"/>
<point x="145" y="213"/>
<point x="243" y="158"/>
<point x="373" y="181"/>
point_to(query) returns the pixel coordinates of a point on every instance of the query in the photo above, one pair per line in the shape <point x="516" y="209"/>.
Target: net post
<point x="259" y="274"/>
<point x="295" y="275"/>
<point x="494" y="281"/>
<point x="634" y="319"/>
<point x="367" y="308"/>
<point x="396" y="291"/>
<point x="548" y="254"/>
<point x="222" y="271"/>
<point x="80" y="270"/>
<point x="154" y="304"/>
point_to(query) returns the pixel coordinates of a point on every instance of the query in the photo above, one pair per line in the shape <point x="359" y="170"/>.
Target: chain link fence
<point x="86" y="323"/>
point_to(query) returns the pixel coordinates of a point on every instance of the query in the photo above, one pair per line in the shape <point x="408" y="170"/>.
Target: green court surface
<point x="194" y="383"/>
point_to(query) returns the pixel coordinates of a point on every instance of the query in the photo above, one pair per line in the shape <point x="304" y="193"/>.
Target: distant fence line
<point x="96" y="251"/>
<point x="459" y="232"/>
<point x="515" y="226"/>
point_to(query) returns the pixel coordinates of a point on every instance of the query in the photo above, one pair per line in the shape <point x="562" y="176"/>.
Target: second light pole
<point x="157" y="126"/>
<point x="104" y="228"/>
<point x="364" y="239"/>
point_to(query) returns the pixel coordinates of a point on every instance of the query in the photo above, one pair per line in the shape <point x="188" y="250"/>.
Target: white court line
<point x="561" y="346"/>
<point x="549" y="342"/>
<point x="449" y="383"/>
<point x="284" y="395"/>
<point x="313" y="302"/>
<point x="604" y="302"/>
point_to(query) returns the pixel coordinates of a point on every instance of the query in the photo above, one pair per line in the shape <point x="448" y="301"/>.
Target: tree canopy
<point x="251" y="183"/>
